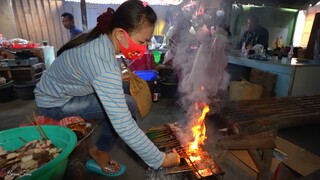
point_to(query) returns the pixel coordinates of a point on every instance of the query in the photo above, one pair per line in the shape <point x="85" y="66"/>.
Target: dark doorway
<point x="315" y="27"/>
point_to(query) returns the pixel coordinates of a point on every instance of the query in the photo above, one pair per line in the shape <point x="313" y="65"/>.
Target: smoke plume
<point x="201" y="69"/>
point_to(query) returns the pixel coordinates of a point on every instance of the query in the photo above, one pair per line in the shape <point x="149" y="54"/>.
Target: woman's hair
<point x="129" y="16"/>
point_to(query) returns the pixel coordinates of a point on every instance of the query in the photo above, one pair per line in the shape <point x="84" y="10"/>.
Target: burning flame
<point x="199" y="134"/>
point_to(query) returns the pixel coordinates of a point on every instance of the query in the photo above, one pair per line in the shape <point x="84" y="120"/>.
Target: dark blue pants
<point x="89" y="107"/>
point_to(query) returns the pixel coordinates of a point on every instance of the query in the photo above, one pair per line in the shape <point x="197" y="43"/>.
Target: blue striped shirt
<point x="89" y="68"/>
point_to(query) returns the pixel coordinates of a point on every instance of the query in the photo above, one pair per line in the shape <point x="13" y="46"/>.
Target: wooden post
<point x="84" y="15"/>
<point x="263" y="162"/>
<point x="265" y="172"/>
<point x="226" y="5"/>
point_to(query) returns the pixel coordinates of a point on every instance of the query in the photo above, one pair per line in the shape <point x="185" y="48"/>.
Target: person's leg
<point x="54" y="113"/>
<point x="89" y="107"/>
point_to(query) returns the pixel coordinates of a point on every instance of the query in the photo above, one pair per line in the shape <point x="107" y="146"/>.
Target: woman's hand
<point x="171" y="159"/>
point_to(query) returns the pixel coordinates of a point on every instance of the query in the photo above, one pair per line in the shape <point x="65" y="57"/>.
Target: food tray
<point x="24" y="46"/>
<point x="82" y="130"/>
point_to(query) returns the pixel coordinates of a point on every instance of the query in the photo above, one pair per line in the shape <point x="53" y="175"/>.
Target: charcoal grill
<point x="172" y="136"/>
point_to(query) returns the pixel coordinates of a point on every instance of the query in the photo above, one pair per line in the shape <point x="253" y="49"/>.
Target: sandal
<point x="108" y="171"/>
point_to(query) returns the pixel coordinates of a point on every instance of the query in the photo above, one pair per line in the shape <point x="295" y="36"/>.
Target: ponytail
<point x="104" y="22"/>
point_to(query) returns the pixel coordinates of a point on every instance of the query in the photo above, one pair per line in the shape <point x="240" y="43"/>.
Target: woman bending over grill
<point x="85" y="80"/>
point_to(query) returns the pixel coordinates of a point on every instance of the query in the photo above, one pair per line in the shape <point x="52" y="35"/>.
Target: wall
<point x="280" y="22"/>
<point x="94" y="10"/>
<point x="7" y="26"/>
<point x="311" y="12"/>
<point x="38" y="20"/>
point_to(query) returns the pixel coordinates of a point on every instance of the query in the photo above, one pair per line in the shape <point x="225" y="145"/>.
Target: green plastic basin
<point x="61" y="137"/>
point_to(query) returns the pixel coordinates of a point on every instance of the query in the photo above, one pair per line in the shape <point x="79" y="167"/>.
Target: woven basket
<point x="140" y="91"/>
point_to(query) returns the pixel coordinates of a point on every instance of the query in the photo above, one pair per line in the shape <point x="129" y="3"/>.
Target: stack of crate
<point x="25" y="79"/>
<point x="30" y="73"/>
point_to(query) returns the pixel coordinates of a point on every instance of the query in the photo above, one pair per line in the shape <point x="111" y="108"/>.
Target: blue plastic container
<point x="148" y="75"/>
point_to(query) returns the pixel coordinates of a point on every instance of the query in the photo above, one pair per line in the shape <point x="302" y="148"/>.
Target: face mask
<point x="134" y="51"/>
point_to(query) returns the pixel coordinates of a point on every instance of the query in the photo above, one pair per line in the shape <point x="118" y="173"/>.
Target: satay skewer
<point x="35" y="119"/>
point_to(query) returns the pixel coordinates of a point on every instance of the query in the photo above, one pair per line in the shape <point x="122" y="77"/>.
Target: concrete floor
<point x="165" y="111"/>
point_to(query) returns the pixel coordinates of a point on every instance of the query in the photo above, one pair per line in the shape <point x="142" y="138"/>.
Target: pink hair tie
<point x="145" y="3"/>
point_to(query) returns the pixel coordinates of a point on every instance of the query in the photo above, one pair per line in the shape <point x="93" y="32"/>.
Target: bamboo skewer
<point x="23" y="140"/>
<point x="168" y="145"/>
<point x="164" y="140"/>
<point x="40" y="130"/>
<point x="157" y="129"/>
<point x="167" y="138"/>
<point x="180" y="169"/>
<point x="179" y="151"/>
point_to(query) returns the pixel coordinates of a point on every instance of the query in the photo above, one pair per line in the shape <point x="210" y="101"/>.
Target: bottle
<point x="280" y="43"/>
<point x="155" y="93"/>
<point x="2" y="39"/>
<point x="290" y="53"/>
<point x="243" y="50"/>
<point x="276" y="44"/>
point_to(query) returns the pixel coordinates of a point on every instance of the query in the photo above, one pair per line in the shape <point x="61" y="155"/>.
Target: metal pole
<point x="84" y="15"/>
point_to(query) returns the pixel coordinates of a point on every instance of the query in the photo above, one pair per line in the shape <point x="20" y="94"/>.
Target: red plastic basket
<point x="24" y="46"/>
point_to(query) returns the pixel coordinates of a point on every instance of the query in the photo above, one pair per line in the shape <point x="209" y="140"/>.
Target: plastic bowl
<point x="147" y="75"/>
<point x="157" y="56"/>
<point x="60" y="136"/>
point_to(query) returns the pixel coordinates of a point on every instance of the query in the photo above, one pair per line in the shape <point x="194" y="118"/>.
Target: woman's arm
<point x="108" y="87"/>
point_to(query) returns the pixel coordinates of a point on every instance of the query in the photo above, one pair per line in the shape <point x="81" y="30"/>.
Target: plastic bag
<point x="244" y="90"/>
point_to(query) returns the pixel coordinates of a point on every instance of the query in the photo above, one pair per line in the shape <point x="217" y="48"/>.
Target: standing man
<point x="68" y="23"/>
<point x="256" y="34"/>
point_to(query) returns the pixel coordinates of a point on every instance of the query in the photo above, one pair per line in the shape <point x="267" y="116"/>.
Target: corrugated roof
<point x="151" y="2"/>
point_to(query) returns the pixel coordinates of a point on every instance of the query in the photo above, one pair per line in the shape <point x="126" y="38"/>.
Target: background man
<point x="68" y="23"/>
<point x="256" y="34"/>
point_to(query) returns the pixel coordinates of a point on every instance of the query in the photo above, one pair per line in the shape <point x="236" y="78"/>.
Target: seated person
<point x="256" y="34"/>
